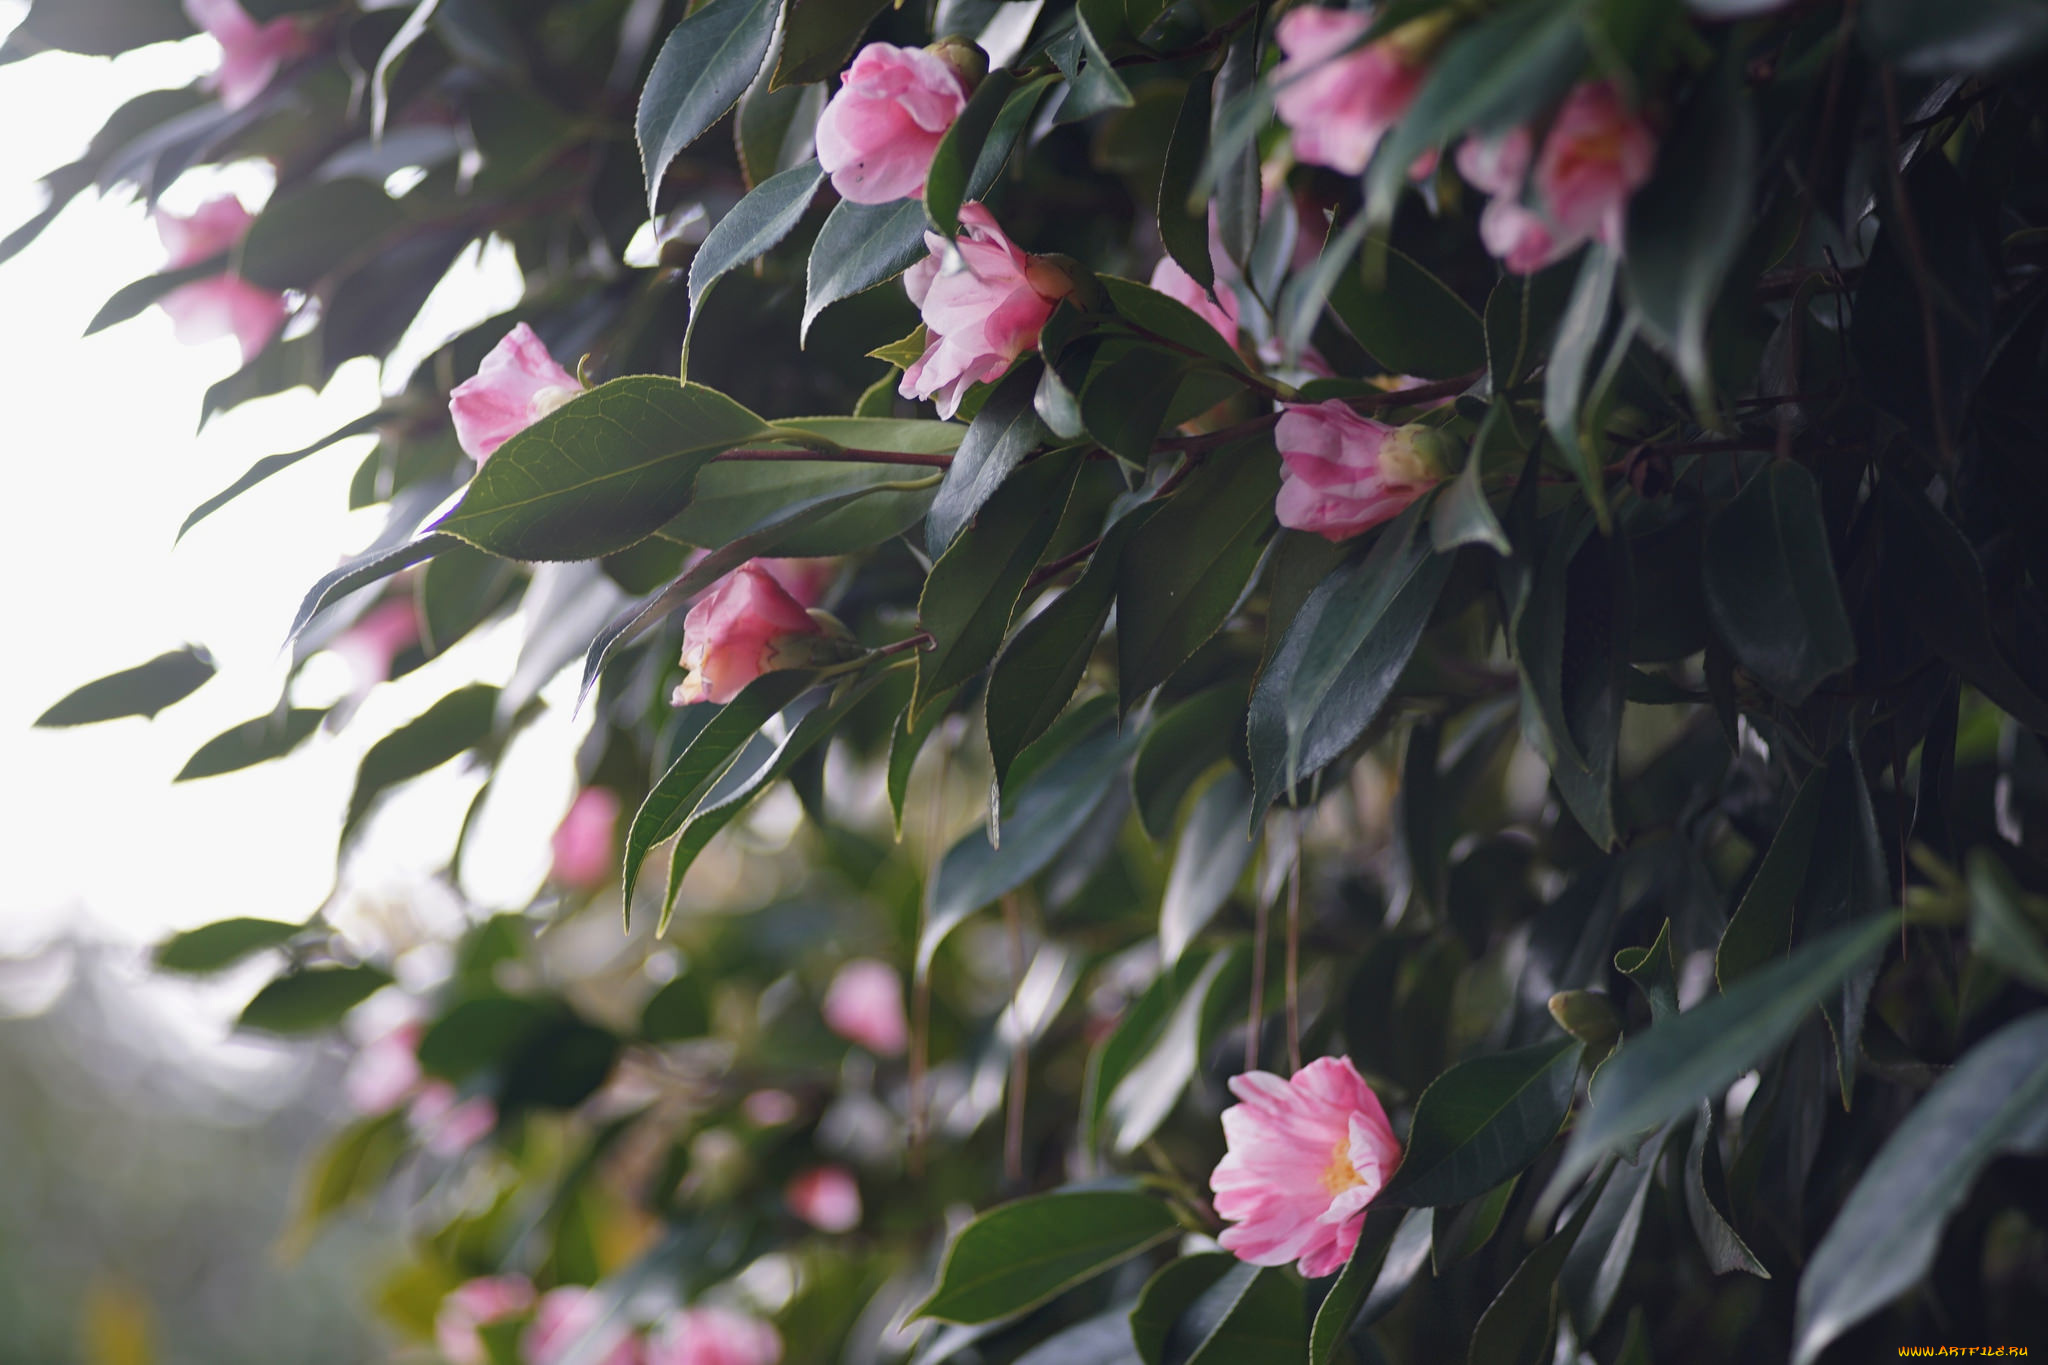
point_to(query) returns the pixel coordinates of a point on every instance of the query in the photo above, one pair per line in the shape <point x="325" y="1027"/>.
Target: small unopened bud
<point x="1590" y="1017"/>
<point x="964" y="56"/>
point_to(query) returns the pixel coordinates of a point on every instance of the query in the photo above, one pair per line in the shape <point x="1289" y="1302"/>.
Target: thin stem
<point x="921" y="640"/>
<point x="1020" y="1054"/>
<point x="921" y="982"/>
<point x="1294" y="944"/>
<point x="1261" y="927"/>
<point x="842" y="455"/>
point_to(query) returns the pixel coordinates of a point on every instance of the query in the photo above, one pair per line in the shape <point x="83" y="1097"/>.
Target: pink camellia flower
<point x="372" y="644"/>
<point x="1598" y="152"/>
<point x="477" y="1304"/>
<point x="584" y="841"/>
<point x="518" y="384"/>
<point x="769" y="1108"/>
<point x="807" y="580"/>
<point x="713" y="1336"/>
<point x="384" y="1074"/>
<point x="877" y="136"/>
<point x="448" y="1125"/>
<point x="1307" y="1154"/>
<point x="979" y="318"/>
<point x="864" y="1005"/>
<point x="826" y="1197"/>
<point x="1343" y="473"/>
<point x="565" y="1317"/>
<point x="745" y="626"/>
<point x="1219" y="312"/>
<point x="225" y="304"/>
<point x="250" y="52"/>
<point x="1340" y="103"/>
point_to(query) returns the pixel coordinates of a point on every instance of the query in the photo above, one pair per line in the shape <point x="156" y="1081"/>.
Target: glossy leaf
<point x="1483" y="1122"/>
<point x="1144" y="1098"/>
<point x="311" y="998"/>
<point x="461" y="720"/>
<point x="961" y="146"/>
<point x="1208" y="862"/>
<point x="1183" y="231"/>
<point x="1761" y="927"/>
<point x="754" y="226"/>
<point x="215" y="947"/>
<point x="1018" y="1256"/>
<point x="707" y="61"/>
<point x="252" y="742"/>
<point x="1770" y="584"/>
<point x="1705" y="1198"/>
<point x="1593" y="1269"/>
<point x="143" y="690"/>
<point x="1410" y="321"/>
<point x="1002" y="434"/>
<point x="1181" y="745"/>
<point x="819" y="36"/>
<point x="264" y="468"/>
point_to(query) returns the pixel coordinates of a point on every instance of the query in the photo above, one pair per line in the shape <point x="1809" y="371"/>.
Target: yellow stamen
<point x="1341" y="1175"/>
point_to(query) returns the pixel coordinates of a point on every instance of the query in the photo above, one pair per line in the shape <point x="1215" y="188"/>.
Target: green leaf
<point x="143" y="690"/>
<point x="973" y="589"/>
<point x="906" y="741"/>
<point x="1564" y="375"/>
<point x="1520" y="1326"/>
<point x="1663" y="1073"/>
<point x="1166" y="317"/>
<point x="1594" y="1267"/>
<point x="1210" y="858"/>
<point x="2001" y="930"/>
<point x="1094" y="86"/>
<point x="458" y="591"/>
<point x="1462" y="515"/>
<point x="960" y="149"/>
<point x="1458" y="1232"/>
<point x="1002" y="434"/>
<point x="1247" y="1313"/>
<point x="1406" y="1256"/>
<point x="1705" y="1195"/>
<point x="708" y="61"/>
<point x="1050" y="809"/>
<point x="1178" y="747"/>
<point x="801" y="508"/>
<point x="1229" y="177"/>
<point x="681" y="1009"/>
<point x="1104" y="1339"/>
<point x="372" y="566"/>
<point x="264" y="468"/>
<point x="754" y="226"/>
<point x="1984" y="36"/>
<point x="1188" y="565"/>
<point x="461" y="720"/>
<point x="1184" y="231"/>
<point x="1363" y="685"/>
<point x="1761" y="928"/>
<point x="315" y="231"/>
<point x="601" y="472"/>
<point x="819" y="36"/>
<point x="312" y="998"/>
<point x="351" y="1166"/>
<point x="479" y="1034"/>
<point x="774" y="126"/>
<point x="1128" y="392"/>
<point x="859" y="247"/>
<point x="100" y="30"/>
<point x="1348" y="1291"/>
<point x="1411" y="321"/>
<point x="215" y="947"/>
<point x="1035" y="676"/>
<point x="1770" y="583"/>
<point x="1994" y="1101"/>
<point x="131" y="299"/>
<point x="1016" y="1257"/>
<point x="679" y="791"/>
<point x="1145" y="1096"/>
<point x="1570" y="638"/>
<point x="1483" y="1122"/>
<point x="1166" y="1298"/>
<point x="253" y="741"/>
<point x="1135" y="1037"/>
<point x="1687" y="224"/>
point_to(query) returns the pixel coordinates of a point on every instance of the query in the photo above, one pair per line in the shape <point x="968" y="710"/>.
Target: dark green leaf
<point x="1597" y="1261"/>
<point x="461" y="720"/>
<point x="681" y="1009"/>
<point x="1462" y="515"/>
<point x="860" y="246"/>
<point x="1761" y="928"/>
<point x="1145" y="1096"/>
<point x="372" y="566"/>
<point x="1705" y="1197"/>
<point x="1166" y="1298"/>
<point x="960" y="149"/>
<point x="313" y="231"/>
<point x="754" y="226"/>
<point x="1483" y="1122"/>
<point x="1520" y="1326"/>
<point x="143" y="690"/>
<point x="1770" y="583"/>
<point x="1994" y="1101"/>
<point x="708" y="60"/>
<point x="1406" y="1257"/>
<point x="214" y="947"/>
<point x="2001" y="930"/>
<point x="1212" y="855"/>
<point x="131" y="299"/>
<point x="1183" y="231"/>
<point x="264" y="468"/>
<point x="252" y="742"/>
<point x="601" y="472"/>
<point x="1163" y="316"/>
<point x="1178" y="747"/>
<point x="312" y="998"/>
<point x="1348" y="1290"/>
<point x="1016" y="1257"/>
<point x="1002" y="434"/>
<point x="1983" y="36"/>
<point x="1104" y="1339"/>
<point x="476" y="1035"/>
<point x="1564" y="375"/>
<point x="1411" y="321"/>
<point x="819" y="36"/>
<point x="906" y="741"/>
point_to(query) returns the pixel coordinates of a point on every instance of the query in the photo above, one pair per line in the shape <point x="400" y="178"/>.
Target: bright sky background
<point x="103" y="463"/>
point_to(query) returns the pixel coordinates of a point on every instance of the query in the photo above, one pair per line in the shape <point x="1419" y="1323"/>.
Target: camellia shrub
<point x="1405" y="648"/>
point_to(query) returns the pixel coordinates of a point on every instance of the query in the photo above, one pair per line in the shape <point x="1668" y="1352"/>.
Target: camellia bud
<point x="1590" y="1017"/>
<point x="965" y="56"/>
<point x="1416" y="454"/>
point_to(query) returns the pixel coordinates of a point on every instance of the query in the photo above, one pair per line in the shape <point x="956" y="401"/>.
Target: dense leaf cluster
<point x="1655" y="811"/>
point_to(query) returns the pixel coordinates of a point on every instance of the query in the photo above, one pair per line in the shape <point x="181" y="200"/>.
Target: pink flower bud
<point x="1344" y="473"/>
<point x="1597" y="154"/>
<point x="745" y="626"/>
<point x="826" y="1197"/>
<point x="518" y="384"/>
<point x="584" y="841"/>
<point x="375" y="640"/>
<point x="225" y="304"/>
<point x="864" y="1005"/>
<point x="250" y="53"/>
<point x="385" y="1072"/>
<point x="1307" y="1155"/>
<point x="877" y="136"/>
<point x="564" y="1318"/>
<point x="1340" y="103"/>
<point x="1219" y="312"/>
<point x="713" y="1336"/>
<point x="477" y="1304"/>
<point x="980" y="317"/>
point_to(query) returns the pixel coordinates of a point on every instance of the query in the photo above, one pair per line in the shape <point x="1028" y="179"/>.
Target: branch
<point x="843" y="455"/>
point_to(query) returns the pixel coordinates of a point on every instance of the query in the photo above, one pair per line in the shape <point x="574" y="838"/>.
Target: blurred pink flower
<point x="1219" y="312"/>
<point x="713" y="1336"/>
<point x="586" y="840"/>
<point x="375" y="640"/>
<point x="250" y="53"/>
<point x="877" y="136"/>
<point x="1307" y="1154"/>
<point x="979" y="318"/>
<point x="769" y="1108"/>
<point x="385" y="1072"/>
<point x="1343" y="473"/>
<point x="826" y="1197"/>
<point x="565" y="1317"/>
<point x="518" y="384"/>
<point x="864" y="1004"/>
<point x="449" y="1126"/>
<point x="1598" y="152"/>
<point x="1340" y="103"/>
<point x="224" y="304"/>
<point x="475" y="1304"/>
<point x="745" y="626"/>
